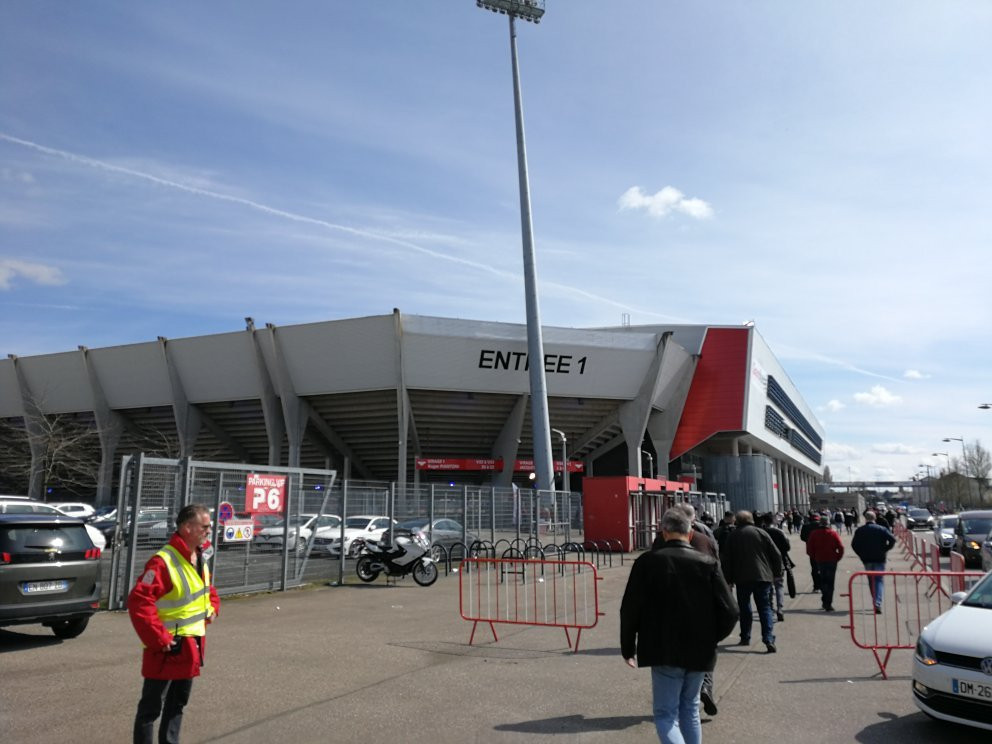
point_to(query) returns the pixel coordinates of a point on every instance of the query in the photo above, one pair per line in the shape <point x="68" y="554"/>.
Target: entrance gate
<point x="153" y="490"/>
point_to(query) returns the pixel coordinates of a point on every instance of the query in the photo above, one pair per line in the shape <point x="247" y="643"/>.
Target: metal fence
<point x="153" y="490"/>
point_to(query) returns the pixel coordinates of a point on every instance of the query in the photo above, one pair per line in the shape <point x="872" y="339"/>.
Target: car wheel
<point x="70" y="628"/>
<point x="437" y="553"/>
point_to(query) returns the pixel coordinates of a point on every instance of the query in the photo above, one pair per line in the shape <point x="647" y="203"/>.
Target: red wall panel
<point x="716" y="396"/>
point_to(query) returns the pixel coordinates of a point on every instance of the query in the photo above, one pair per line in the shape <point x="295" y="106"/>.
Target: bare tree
<point x="66" y="453"/>
<point x="977" y="464"/>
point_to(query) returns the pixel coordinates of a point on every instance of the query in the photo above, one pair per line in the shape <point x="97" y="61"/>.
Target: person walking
<point x="701" y="538"/>
<point x="825" y="548"/>
<point x="812" y="523"/>
<point x="675" y="609"/>
<point x="751" y="562"/>
<point x="871" y="543"/>
<point x="170" y="607"/>
<point x="723" y="529"/>
<point x="784" y="546"/>
<point x="849" y="521"/>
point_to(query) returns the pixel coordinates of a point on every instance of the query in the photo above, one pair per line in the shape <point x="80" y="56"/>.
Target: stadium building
<point x="415" y="399"/>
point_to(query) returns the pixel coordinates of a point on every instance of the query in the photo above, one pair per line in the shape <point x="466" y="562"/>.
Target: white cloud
<point x="895" y="449"/>
<point x="915" y="374"/>
<point x="664" y="202"/>
<point x="33" y="272"/>
<point x="878" y="397"/>
<point x="833" y="452"/>
<point x="884" y="473"/>
<point x="834" y="405"/>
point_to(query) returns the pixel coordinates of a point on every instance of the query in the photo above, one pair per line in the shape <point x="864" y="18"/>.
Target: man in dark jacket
<point x="871" y="543"/>
<point x="724" y="528"/>
<point x="812" y="523"/>
<point x="751" y="561"/>
<point x="675" y="610"/>
<point x="782" y="543"/>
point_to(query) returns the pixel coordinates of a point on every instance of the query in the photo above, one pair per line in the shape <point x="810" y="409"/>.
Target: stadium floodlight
<point x="528" y="10"/>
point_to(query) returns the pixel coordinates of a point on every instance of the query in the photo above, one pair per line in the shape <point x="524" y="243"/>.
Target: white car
<point x="952" y="666"/>
<point x="300" y="528"/>
<point x="75" y="509"/>
<point x="367" y="527"/>
<point x="18" y="505"/>
<point x="943" y="532"/>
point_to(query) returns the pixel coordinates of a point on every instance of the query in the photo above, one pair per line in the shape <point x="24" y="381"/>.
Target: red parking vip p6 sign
<point x="265" y="494"/>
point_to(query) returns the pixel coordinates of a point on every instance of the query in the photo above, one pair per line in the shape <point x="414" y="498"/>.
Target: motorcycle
<point x="411" y="555"/>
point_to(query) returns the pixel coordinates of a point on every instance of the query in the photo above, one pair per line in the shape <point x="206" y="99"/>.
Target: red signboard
<point x="265" y="494"/>
<point x="488" y="464"/>
<point x="525" y="466"/>
<point x="458" y="463"/>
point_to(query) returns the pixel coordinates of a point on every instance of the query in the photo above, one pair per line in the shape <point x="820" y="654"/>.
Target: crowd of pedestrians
<point x="680" y="603"/>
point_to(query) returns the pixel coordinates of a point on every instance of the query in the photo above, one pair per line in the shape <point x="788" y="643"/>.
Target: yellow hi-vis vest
<point x="185" y="609"/>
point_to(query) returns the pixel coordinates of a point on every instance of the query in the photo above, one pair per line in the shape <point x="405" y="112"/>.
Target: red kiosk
<point x="627" y="509"/>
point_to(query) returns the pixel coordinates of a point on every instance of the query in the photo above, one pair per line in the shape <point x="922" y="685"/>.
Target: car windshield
<point x="357" y="523"/>
<point x="948" y="521"/>
<point x="981" y="595"/>
<point x="329" y="520"/>
<point x="414" y="524"/>
<point x="40" y="538"/>
<point x="977" y="525"/>
<point x="919" y="513"/>
<point x="294" y="521"/>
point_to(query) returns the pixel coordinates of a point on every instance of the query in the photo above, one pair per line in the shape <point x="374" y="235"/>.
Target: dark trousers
<point x="827" y="573"/>
<point x="174" y="693"/>
<point x="762" y="592"/>
<point x="814" y="570"/>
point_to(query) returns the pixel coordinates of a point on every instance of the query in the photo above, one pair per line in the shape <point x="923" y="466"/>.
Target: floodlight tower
<point x="529" y="10"/>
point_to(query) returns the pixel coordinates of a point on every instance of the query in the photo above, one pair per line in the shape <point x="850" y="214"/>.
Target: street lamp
<point x="985" y="406"/>
<point x="944" y="454"/>
<point x="957" y="439"/>
<point x="564" y="460"/>
<point x="529" y="10"/>
<point x="650" y="464"/>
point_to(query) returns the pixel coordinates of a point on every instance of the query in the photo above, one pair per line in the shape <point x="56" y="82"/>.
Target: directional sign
<point x="238" y="531"/>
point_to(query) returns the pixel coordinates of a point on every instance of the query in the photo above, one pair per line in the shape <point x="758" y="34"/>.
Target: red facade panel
<point x="716" y="396"/>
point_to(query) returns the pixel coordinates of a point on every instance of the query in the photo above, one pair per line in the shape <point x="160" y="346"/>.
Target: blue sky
<point x="820" y="168"/>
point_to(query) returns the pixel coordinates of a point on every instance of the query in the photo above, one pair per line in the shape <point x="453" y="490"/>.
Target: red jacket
<point x="155" y="583"/>
<point x="824" y="546"/>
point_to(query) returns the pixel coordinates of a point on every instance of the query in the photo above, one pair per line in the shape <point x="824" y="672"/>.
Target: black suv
<point x="49" y="572"/>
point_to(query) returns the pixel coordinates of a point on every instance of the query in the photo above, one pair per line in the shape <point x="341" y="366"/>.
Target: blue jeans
<point x="762" y="591"/>
<point x="675" y="695"/>
<point x="875" y="582"/>
<point x="828" y="571"/>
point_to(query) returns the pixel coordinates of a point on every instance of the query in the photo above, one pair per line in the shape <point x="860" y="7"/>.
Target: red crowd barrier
<point x="522" y="591"/>
<point x="911" y="600"/>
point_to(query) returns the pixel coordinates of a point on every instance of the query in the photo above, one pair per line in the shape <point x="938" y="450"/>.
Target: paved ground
<point x="391" y="663"/>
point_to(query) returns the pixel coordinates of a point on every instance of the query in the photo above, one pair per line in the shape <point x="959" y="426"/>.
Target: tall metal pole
<point x="540" y="420"/>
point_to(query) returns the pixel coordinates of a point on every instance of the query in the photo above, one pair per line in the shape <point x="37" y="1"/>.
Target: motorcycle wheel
<point x="364" y="569"/>
<point x="425" y="574"/>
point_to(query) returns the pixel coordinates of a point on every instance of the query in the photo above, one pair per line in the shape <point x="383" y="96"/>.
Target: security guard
<point x="170" y="607"/>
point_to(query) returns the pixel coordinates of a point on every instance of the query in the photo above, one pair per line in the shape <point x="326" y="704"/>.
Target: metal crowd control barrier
<point x="521" y="591"/>
<point x="911" y="600"/>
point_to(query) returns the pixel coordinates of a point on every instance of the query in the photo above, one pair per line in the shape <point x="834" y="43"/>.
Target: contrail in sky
<point x="293" y="216"/>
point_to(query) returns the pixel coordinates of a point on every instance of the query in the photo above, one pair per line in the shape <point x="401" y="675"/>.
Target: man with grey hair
<point x="675" y="610"/>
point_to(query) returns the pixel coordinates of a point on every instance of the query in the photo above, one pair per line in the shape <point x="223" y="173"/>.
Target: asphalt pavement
<point x="392" y="663"/>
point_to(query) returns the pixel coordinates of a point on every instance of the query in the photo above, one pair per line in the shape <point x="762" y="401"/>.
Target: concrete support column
<point x="110" y="427"/>
<point x="34" y="428"/>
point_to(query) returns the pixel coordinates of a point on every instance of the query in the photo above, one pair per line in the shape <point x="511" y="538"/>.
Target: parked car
<point x="952" y="666"/>
<point x="364" y="527"/>
<point x="442" y="533"/>
<point x="918" y="519"/>
<point x="18" y="505"/>
<point x="300" y="528"/>
<point x="943" y="532"/>
<point x="969" y="534"/>
<point x="49" y="572"/>
<point x="75" y="509"/>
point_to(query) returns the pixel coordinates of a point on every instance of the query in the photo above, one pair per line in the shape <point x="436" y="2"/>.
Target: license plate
<point x="969" y="689"/>
<point x="46" y="587"/>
